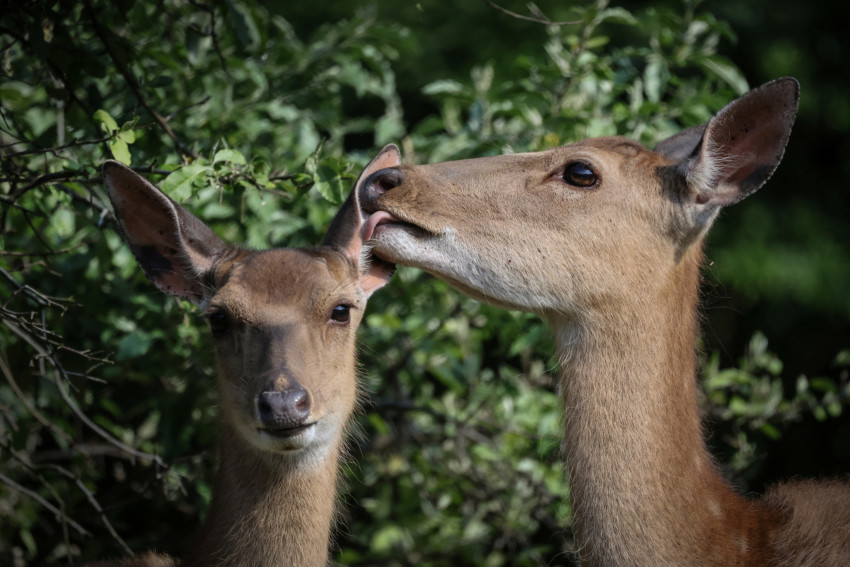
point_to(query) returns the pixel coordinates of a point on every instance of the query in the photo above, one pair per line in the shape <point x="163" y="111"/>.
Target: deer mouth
<point x="285" y="432"/>
<point x="375" y="221"/>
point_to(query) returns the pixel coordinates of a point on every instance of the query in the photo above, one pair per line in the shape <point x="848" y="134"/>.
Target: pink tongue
<point x="373" y="221"/>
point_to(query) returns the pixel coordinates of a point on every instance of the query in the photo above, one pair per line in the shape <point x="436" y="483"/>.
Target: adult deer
<point x="603" y="239"/>
<point x="283" y="322"/>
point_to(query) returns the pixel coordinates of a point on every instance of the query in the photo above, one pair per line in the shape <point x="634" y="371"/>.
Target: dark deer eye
<point x="341" y="314"/>
<point x="580" y="174"/>
<point x="219" y="322"/>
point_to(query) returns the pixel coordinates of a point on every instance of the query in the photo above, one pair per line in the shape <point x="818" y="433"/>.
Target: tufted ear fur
<point x="346" y="230"/>
<point x="737" y="151"/>
<point x="173" y="247"/>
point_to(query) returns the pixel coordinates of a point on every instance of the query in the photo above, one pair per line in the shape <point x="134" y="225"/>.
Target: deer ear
<point x="739" y="148"/>
<point x="173" y="247"/>
<point x="346" y="230"/>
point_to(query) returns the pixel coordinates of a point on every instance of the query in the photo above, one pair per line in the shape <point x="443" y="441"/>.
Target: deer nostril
<point x="285" y="409"/>
<point x="376" y="185"/>
<point x="387" y="179"/>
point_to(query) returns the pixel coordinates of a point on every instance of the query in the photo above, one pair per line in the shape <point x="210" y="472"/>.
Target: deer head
<point x="581" y="226"/>
<point x="283" y="321"/>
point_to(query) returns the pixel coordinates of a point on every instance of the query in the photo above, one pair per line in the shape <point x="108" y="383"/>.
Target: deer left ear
<point x="738" y="150"/>
<point x="346" y="230"/>
<point x="173" y="247"/>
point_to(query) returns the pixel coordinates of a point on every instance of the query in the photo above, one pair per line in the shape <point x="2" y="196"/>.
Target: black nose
<point x="283" y="409"/>
<point x="376" y="185"/>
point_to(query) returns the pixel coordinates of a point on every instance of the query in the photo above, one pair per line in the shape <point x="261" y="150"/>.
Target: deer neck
<point x="645" y="490"/>
<point x="268" y="509"/>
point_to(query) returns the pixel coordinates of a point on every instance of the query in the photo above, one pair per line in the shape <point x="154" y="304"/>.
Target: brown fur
<point x="614" y="269"/>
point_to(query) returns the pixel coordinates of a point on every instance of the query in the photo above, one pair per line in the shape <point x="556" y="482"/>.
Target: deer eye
<point x="341" y="314"/>
<point x="580" y="174"/>
<point x="219" y="322"/>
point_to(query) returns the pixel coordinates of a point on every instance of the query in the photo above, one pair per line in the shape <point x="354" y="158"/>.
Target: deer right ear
<point x="173" y="247"/>
<point x="738" y="150"/>
<point x="346" y="230"/>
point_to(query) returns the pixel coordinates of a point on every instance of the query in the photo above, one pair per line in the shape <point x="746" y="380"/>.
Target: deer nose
<point x="283" y="409"/>
<point x="376" y="185"/>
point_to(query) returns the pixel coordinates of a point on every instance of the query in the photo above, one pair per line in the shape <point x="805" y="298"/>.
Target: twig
<point x="4" y="368"/>
<point x="76" y="480"/>
<point x="53" y="150"/>
<point x="59" y="513"/>
<point x="544" y="21"/>
<point x="42" y="179"/>
<point x="60" y="374"/>
<point x="187" y="107"/>
<point x="53" y="253"/>
<point x="33" y="294"/>
<point x="213" y="35"/>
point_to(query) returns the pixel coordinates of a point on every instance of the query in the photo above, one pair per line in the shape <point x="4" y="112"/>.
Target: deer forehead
<point x="286" y="284"/>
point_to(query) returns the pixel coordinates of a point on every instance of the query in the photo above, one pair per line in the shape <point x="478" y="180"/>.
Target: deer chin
<point x="310" y="437"/>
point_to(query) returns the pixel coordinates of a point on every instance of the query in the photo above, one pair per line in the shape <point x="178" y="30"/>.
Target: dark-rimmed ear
<point x="736" y="152"/>
<point x="346" y="230"/>
<point x="173" y="247"/>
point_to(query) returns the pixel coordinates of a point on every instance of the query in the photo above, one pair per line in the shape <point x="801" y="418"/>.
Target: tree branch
<point x="543" y="20"/>
<point x="131" y="82"/>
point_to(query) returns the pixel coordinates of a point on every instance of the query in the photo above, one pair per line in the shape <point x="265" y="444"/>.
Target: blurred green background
<point x="258" y="117"/>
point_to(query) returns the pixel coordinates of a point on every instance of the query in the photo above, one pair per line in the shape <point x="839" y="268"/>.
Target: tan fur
<point x="614" y="269"/>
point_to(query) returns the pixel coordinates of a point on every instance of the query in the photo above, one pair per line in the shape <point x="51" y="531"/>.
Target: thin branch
<point x="33" y="293"/>
<point x="76" y="480"/>
<point x="53" y="150"/>
<point x="42" y="179"/>
<point x="4" y="368"/>
<point x="213" y="35"/>
<point x="58" y="375"/>
<point x="35" y="496"/>
<point x="543" y="20"/>
<point x="187" y="107"/>
<point x="52" y="253"/>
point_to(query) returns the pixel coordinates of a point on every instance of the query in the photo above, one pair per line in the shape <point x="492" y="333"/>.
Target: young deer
<point x="603" y="239"/>
<point x="283" y="322"/>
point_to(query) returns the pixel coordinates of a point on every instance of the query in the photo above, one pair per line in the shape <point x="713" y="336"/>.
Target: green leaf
<point x="120" y="150"/>
<point x="770" y="430"/>
<point x="655" y="78"/>
<point x="446" y="86"/>
<point x="229" y="156"/>
<point x="133" y="345"/>
<point x="180" y="183"/>
<point x="329" y="184"/>
<point x="29" y="541"/>
<point x="617" y="15"/>
<point x="727" y="71"/>
<point x="127" y="134"/>
<point x="388" y="538"/>
<point x="108" y="124"/>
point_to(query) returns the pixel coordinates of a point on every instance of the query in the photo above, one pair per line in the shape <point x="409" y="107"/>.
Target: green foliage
<point x="752" y="397"/>
<point x="107" y="408"/>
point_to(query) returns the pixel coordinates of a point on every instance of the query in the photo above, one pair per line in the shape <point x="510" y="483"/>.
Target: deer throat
<point x="267" y="510"/>
<point x="645" y="490"/>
